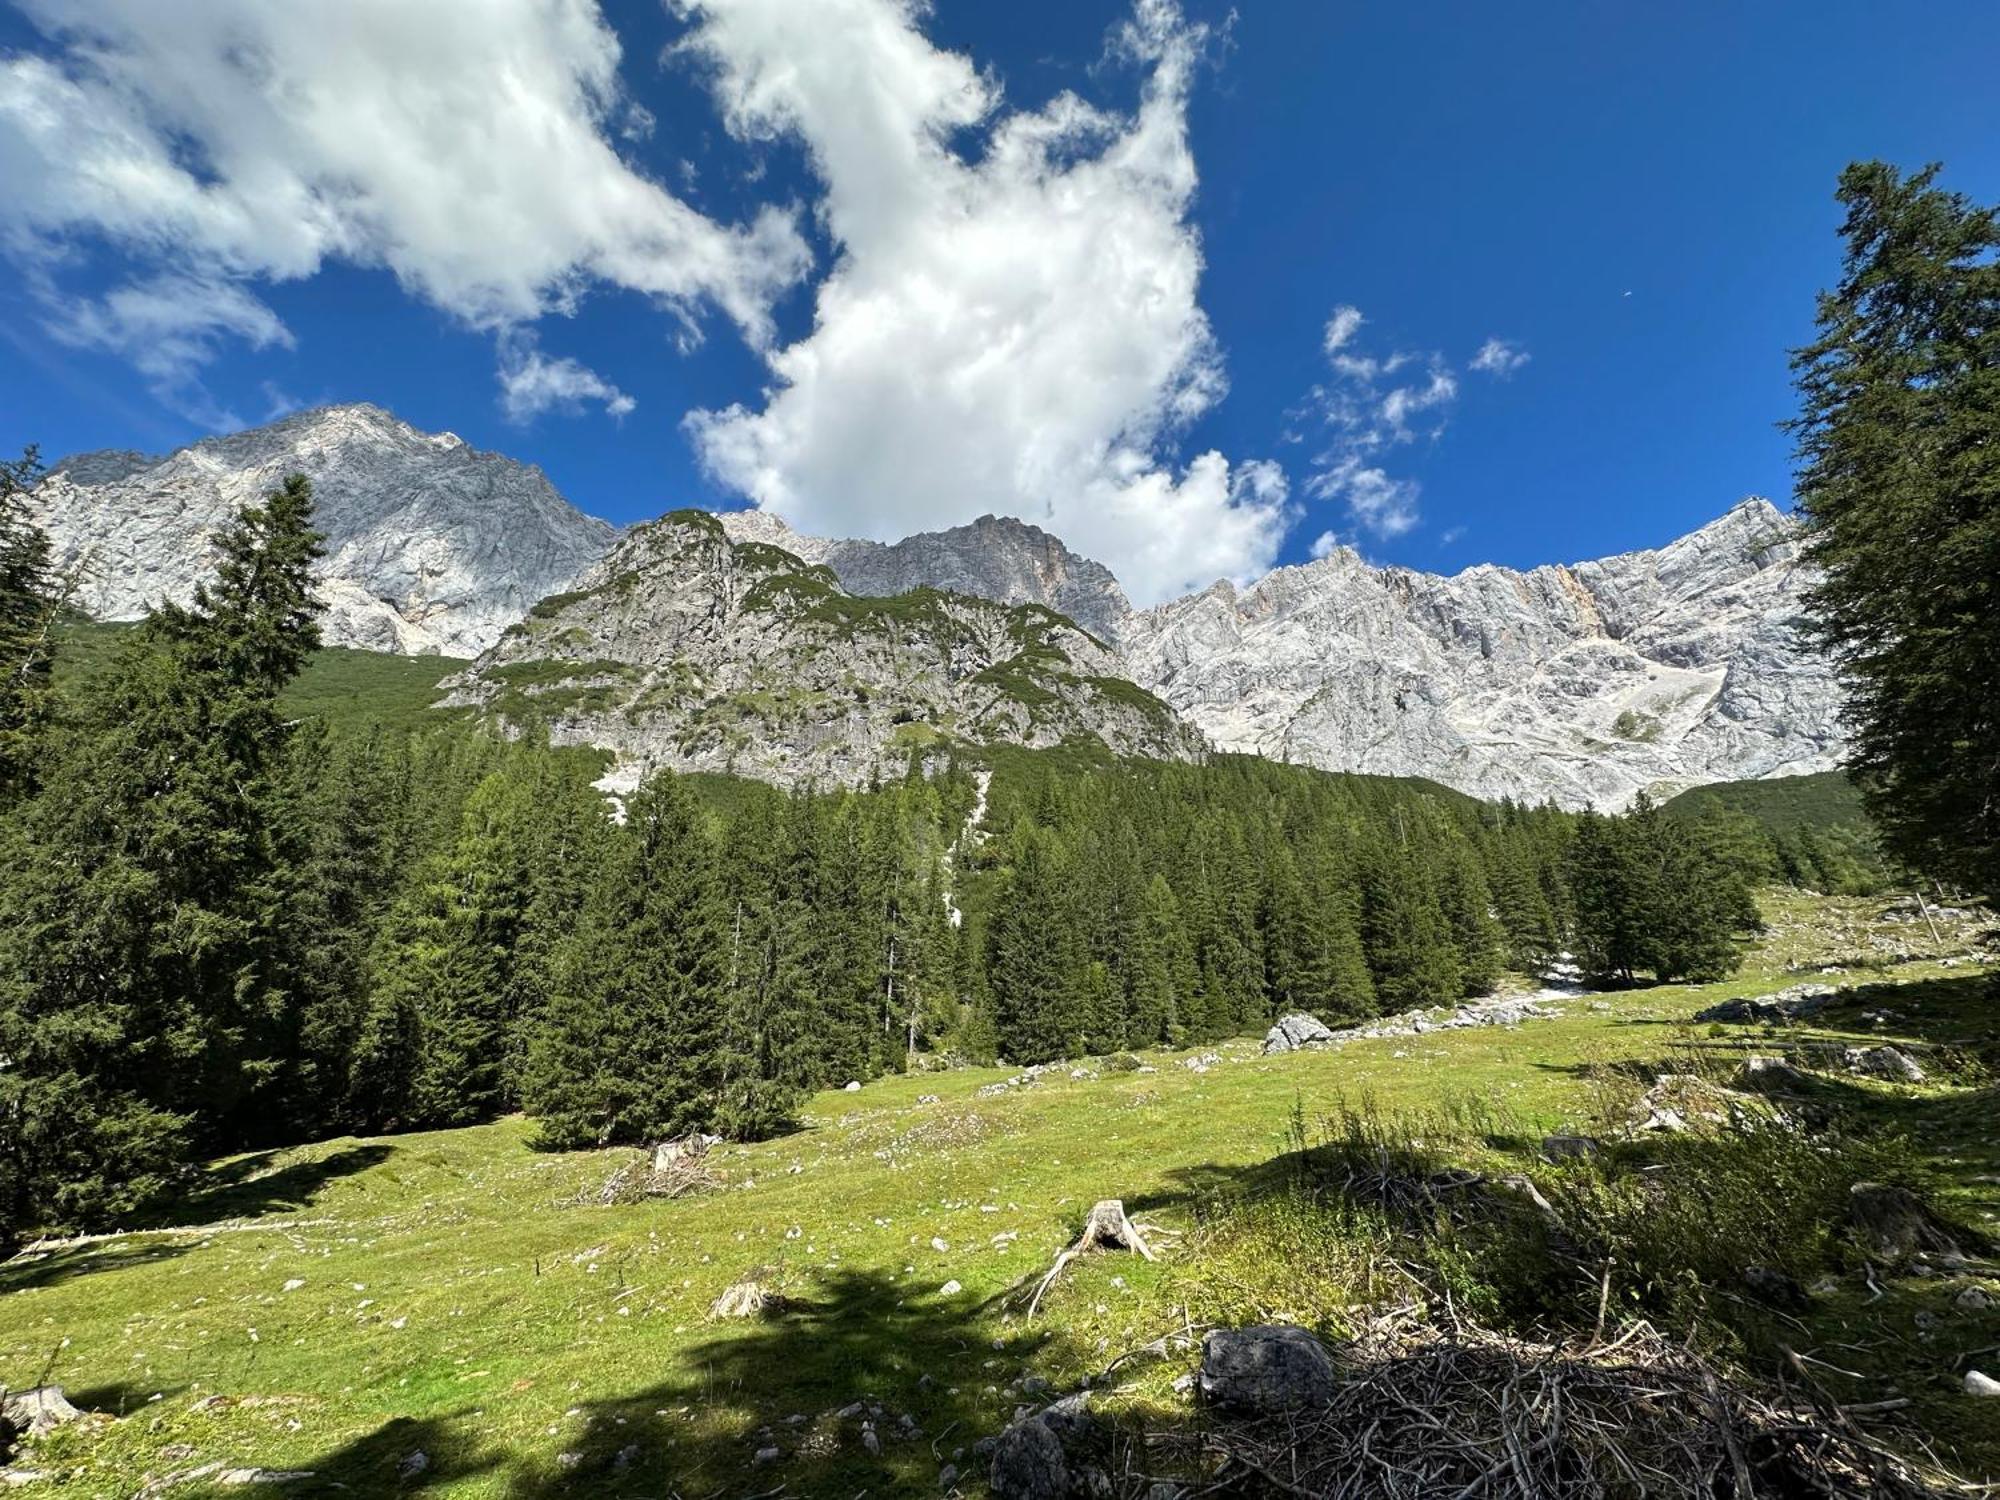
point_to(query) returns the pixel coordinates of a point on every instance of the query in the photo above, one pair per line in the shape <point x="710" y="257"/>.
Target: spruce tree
<point x="1034" y="963"/>
<point x="30" y="597"/>
<point x="632" y="1050"/>
<point x="1899" y="481"/>
<point x="143" y="1010"/>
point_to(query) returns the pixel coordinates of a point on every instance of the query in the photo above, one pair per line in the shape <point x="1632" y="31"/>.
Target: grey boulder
<point x="1269" y="1368"/>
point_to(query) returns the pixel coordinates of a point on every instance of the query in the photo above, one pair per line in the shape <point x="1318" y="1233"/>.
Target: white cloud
<point x="531" y="384"/>
<point x="1012" y="325"/>
<point x="168" y="327"/>
<point x="1324" y="545"/>
<point x="1498" y="357"/>
<point x="465" y="145"/>
<point x="1371" y="406"/>
<point x="1452" y="535"/>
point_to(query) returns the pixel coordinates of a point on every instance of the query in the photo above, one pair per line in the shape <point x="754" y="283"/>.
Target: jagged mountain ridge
<point x="1651" y="670"/>
<point x="688" y="650"/>
<point x="996" y="557"/>
<point x="432" y="545"/>
<point x="1648" y="671"/>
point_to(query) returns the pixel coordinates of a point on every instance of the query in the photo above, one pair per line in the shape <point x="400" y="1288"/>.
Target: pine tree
<point x="1899" y="481"/>
<point x="142" y="1008"/>
<point x="1034" y="963"/>
<point x="632" y="1051"/>
<point x="30" y="597"/>
<point x="1163" y="972"/>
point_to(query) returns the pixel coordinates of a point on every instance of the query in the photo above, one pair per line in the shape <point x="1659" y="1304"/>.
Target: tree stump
<point x="1107" y="1228"/>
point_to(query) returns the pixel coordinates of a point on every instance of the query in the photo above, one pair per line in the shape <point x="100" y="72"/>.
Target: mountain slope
<point x="432" y="546"/>
<point x="996" y="557"/>
<point x="685" y="649"/>
<point x="1650" y="671"/>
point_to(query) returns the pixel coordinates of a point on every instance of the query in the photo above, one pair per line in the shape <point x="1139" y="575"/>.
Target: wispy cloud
<point x="531" y="383"/>
<point x="1498" y="357"/>
<point x="1370" y="405"/>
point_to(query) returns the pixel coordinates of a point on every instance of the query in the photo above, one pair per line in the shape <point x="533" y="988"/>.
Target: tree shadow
<point x="863" y="1385"/>
<point x="809" y="1399"/>
<point x="249" y="1186"/>
<point x="45" y="1268"/>
<point x="404" y="1456"/>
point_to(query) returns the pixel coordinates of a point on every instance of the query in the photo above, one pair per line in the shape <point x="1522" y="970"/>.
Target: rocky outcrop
<point x="432" y="546"/>
<point x="686" y="650"/>
<point x="996" y="557"/>
<point x="1650" y="671"/>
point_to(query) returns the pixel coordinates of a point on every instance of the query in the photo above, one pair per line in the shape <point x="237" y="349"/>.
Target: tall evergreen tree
<point x="631" y="1051"/>
<point x="142" y="1004"/>
<point x="30" y="597"/>
<point x="1899" y="480"/>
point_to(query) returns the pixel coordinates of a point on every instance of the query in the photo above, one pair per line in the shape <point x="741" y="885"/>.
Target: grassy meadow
<point x="452" y="1314"/>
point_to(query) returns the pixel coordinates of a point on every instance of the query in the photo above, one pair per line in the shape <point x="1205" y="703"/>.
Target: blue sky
<point x="1636" y="199"/>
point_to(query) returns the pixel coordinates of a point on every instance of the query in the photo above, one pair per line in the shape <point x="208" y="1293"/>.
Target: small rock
<point x="1977" y="1384"/>
<point x="1265" y="1369"/>
<point x="414" y="1465"/>
<point x="1295" y="1031"/>
<point x="294" y="1284"/>
<point x="940" y="1245"/>
<point x="1570" y="1147"/>
<point x="1029" y="1464"/>
<point x="1885" y="1062"/>
<point x="950" y="1289"/>
<point x="853" y="1086"/>
<point x="769" y="1455"/>
<point x="1769" y="1073"/>
<point x="871" y="1441"/>
<point x="947" y="1476"/>
<point x="1972" y="1299"/>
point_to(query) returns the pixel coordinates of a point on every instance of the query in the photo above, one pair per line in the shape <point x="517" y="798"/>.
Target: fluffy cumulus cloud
<point x="1011" y="323"/>
<point x="465" y="145"/>
<point x="1370" y="406"/>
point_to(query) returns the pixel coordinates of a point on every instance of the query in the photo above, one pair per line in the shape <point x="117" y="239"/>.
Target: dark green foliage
<point x="1652" y="895"/>
<point x="630" y="1049"/>
<point x="144" y="1006"/>
<point x="30" y="599"/>
<point x="1813" y="832"/>
<point x="1899" y="480"/>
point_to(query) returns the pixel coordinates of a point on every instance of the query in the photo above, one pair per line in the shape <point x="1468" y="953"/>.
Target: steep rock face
<point x="1650" y="671"/>
<point x="432" y="546"/>
<point x="687" y="650"/>
<point x="996" y="557"/>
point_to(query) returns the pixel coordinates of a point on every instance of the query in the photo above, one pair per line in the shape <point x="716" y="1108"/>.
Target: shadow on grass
<point x="248" y="1187"/>
<point x="43" y="1268"/>
<point x="815" y="1380"/>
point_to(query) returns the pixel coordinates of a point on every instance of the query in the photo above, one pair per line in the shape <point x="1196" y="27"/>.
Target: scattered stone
<point x="769" y="1455"/>
<point x="1570" y="1147"/>
<point x="950" y="1289"/>
<point x="853" y="1086"/>
<point x="235" y="1477"/>
<point x="1891" y="1063"/>
<point x="1295" y="1031"/>
<point x="1972" y="1299"/>
<point x="1770" y="1073"/>
<point x="1977" y="1384"/>
<point x="1792" y="1004"/>
<point x="1265" y="1369"/>
<point x="414" y="1465"/>
<point x="947" y="1476"/>
<point x="37" y="1410"/>
<point x="871" y="1441"/>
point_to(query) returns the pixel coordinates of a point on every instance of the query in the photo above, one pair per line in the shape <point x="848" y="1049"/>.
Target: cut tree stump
<point x="1107" y="1228"/>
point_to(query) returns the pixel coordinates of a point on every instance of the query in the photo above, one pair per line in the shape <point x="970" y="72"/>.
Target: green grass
<point x="453" y="1301"/>
<point x="347" y="688"/>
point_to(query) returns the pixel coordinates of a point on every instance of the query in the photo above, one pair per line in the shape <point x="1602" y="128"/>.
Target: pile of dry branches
<point x="673" y="1169"/>
<point x="1471" y="1415"/>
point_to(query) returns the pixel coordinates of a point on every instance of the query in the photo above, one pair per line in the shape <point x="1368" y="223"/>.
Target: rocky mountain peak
<point x="690" y="647"/>
<point x="432" y="545"/>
